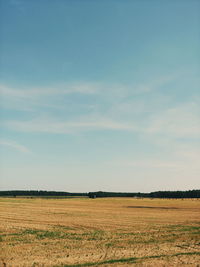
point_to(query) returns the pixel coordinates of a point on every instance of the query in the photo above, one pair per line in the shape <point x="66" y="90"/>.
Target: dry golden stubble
<point x="110" y="231"/>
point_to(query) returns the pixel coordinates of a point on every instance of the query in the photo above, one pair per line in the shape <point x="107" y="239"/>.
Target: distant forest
<point x="39" y="193"/>
<point x="158" y="194"/>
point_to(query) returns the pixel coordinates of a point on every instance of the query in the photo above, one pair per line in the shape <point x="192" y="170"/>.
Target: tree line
<point x="157" y="194"/>
<point x="39" y="193"/>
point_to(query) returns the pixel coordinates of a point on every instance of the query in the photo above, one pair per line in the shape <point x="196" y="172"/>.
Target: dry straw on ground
<point x="99" y="232"/>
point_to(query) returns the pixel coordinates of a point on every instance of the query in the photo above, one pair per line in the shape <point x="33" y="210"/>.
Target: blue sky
<point x="100" y="95"/>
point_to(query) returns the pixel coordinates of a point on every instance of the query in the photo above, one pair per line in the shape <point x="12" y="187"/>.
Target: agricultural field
<point x="99" y="232"/>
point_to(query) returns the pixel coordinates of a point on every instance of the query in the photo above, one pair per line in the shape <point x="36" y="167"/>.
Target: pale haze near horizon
<point x="100" y="95"/>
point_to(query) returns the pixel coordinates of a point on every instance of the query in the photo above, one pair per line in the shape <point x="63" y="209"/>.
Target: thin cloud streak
<point x="119" y="90"/>
<point x="54" y="97"/>
<point x="46" y="126"/>
<point x="179" y="122"/>
<point x="14" y="145"/>
<point x="47" y="91"/>
<point x="178" y="164"/>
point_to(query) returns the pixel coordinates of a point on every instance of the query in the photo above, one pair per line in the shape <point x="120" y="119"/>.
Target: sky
<point x="100" y="95"/>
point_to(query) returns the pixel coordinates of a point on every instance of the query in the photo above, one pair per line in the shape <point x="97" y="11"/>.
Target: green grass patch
<point x="42" y="234"/>
<point x="183" y="228"/>
<point x="108" y="245"/>
<point x="97" y="235"/>
<point x="189" y="228"/>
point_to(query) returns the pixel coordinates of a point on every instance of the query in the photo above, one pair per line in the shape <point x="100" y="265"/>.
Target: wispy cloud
<point x="103" y="107"/>
<point x="37" y="98"/>
<point x="14" y="145"/>
<point x="154" y="84"/>
<point x="182" y="161"/>
<point x="63" y="127"/>
<point x="181" y="121"/>
<point x="59" y="89"/>
<point x="25" y="97"/>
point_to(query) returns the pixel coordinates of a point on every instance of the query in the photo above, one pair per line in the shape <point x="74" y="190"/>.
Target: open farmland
<point x="99" y="232"/>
